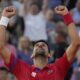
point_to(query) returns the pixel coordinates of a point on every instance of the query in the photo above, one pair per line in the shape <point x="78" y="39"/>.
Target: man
<point x="40" y="70"/>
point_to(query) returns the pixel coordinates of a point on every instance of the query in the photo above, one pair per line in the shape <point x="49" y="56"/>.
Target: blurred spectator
<point x="50" y="21"/>
<point x="76" y="13"/>
<point x="35" y="22"/>
<point x="24" y="50"/>
<point x="3" y="73"/>
<point x="5" y="3"/>
<point x="61" y="44"/>
<point x="50" y="32"/>
<point x="10" y="46"/>
<point x="71" y="4"/>
<point x="34" y="17"/>
<point x="76" y="70"/>
<point x="54" y="3"/>
<point x="16" y="29"/>
<point x="50" y="29"/>
<point x="23" y="7"/>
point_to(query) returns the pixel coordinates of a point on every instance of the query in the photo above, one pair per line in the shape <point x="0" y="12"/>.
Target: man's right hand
<point x="9" y="12"/>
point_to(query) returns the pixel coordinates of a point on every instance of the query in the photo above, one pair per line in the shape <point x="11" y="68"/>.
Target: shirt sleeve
<point x="18" y="67"/>
<point x="12" y="62"/>
<point x="63" y="65"/>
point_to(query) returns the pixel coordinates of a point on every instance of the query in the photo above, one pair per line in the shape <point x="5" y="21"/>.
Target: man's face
<point x="40" y="50"/>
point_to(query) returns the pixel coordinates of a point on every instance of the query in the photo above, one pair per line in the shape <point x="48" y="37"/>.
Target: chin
<point x="40" y="54"/>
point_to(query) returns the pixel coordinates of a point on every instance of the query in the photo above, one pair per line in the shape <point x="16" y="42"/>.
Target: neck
<point x="40" y="62"/>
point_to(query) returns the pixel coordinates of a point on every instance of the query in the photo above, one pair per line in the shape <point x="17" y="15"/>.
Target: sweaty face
<point x="40" y="50"/>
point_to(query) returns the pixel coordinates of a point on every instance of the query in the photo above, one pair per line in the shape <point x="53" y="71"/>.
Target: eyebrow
<point x="42" y="43"/>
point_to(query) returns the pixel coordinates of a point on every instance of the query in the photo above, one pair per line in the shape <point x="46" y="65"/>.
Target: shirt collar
<point x="35" y="68"/>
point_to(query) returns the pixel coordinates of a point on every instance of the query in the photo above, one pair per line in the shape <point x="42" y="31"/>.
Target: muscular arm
<point x="8" y="12"/>
<point x="72" y="49"/>
<point x="45" y="6"/>
<point x="4" y="52"/>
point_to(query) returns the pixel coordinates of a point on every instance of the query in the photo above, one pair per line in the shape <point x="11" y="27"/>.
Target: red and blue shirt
<point x="23" y="71"/>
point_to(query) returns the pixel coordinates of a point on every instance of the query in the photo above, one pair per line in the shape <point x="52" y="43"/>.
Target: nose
<point x="40" y="45"/>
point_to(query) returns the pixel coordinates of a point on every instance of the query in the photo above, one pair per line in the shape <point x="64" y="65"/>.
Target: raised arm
<point x="7" y="13"/>
<point x="72" y="49"/>
<point x="45" y="6"/>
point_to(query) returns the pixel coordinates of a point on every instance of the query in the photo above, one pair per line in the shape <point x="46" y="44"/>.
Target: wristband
<point x="67" y="19"/>
<point x="4" y="21"/>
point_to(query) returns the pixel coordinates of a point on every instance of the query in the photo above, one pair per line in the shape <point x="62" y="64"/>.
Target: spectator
<point x="54" y="3"/>
<point x="35" y="23"/>
<point x="5" y="3"/>
<point x="76" y="70"/>
<point x="3" y="73"/>
<point x="50" y="28"/>
<point x="24" y="50"/>
<point x="16" y="25"/>
<point x="10" y="46"/>
<point x="61" y="46"/>
<point x="76" y="13"/>
<point x="60" y="26"/>
<point x="71" y="3"/>
<point x="16" y="28"/>
<point x="50" y="21"/>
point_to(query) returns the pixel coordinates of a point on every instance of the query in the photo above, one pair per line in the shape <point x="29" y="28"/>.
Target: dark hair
<point x="3" y="69"/>
<point x="43" y="42"/>
<point x="37" y="4"/>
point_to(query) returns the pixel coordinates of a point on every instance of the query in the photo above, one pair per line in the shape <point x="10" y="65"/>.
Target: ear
<point x="32" y="56"/>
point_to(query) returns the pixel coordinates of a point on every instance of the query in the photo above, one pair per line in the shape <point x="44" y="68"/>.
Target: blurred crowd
<point x="36" y="20"/>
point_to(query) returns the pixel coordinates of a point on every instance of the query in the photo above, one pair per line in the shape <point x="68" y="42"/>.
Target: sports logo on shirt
<point x="33" y="74"/>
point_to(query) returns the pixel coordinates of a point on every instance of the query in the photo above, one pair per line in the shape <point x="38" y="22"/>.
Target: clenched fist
<point x="9" y="12"/>
<point x="62" y="10"/>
